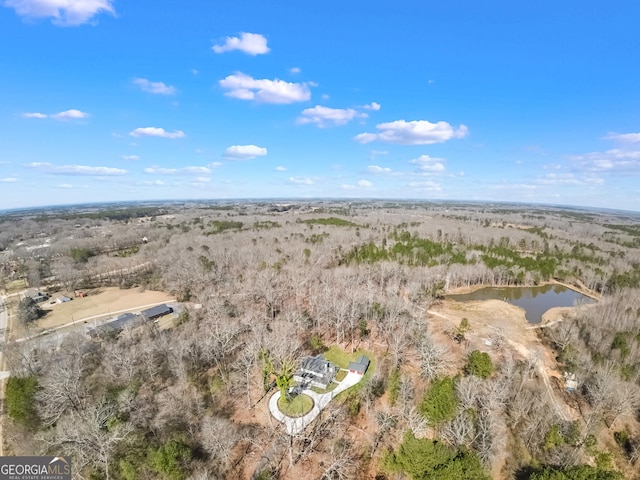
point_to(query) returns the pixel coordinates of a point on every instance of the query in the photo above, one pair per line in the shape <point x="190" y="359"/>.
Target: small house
<point x="316" y="371"/>
<point x="156" y="312"/>
<point x="115" y="325"/>
<point x="35" y="295"/>
<point x="359" y="367"/>
<point x="60" y="298"/>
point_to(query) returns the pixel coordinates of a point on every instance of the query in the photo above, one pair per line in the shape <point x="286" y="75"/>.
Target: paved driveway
<point x="294" y="425"/>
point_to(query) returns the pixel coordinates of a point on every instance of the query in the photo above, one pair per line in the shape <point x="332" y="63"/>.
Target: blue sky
<point x="107" y="100"/>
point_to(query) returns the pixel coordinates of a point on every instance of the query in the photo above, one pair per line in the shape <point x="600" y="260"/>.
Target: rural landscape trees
<point x="454" y="390"/>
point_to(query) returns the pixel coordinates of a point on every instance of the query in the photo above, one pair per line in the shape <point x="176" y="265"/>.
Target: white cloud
<point x="130" y="157"/>
<point x="300" y="180"/>
<point x="8" y="180"/>
<point x="178" y="171"/>
<point x="244" y="152"/>
<point x="428" y="185"/>
<point x="76" y="169"/>
<point x="69" y="114"/>
<point x="623" y="137"/>
<point x="245" y="87"/>
<point x="358" y="186"/>
<point x="156" y="132"/>
<point x="63" y="12"/>
<point x="202" y="179"/>
<point x="194" y="71"/>
<point x="251" y="43"/>
<point x="66" y="115"/>
<point x="379" y="170"/>
<point x="158" y="88"/>
<point x="294" y="71"/>
<point x="280" y="169"/>
<point x="64" y="185"/>
<point x="215" y="164"/>
<point x="323" y="116"/>
<point x="428" y="164"/>
<point x="375" y="153"/>
<point x="614" y="161"/>
<point x="34" y="115"/>
<point x="372" y="106"/>
<point x="154" y="183"/>
<point x="514" y="187"/>
<point x="417" y="132"/>
<point x="555" y="179"/>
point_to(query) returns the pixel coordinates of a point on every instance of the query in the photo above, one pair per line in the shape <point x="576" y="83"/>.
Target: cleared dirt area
<point x="495" y="320"/>
<point x="102" y="302"/>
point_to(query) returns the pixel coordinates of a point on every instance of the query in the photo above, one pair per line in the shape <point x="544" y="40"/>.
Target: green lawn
<point x="342" y="358"/>
<point x="332" y="386"/>
<point x="340" y="375"/>
<point x="299" y="406"/>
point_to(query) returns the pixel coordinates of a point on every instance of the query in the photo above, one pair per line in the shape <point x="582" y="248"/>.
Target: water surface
<point x="534" y="300"/>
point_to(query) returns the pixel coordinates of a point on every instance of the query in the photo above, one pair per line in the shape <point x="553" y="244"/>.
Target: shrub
<point x="440" y="402"/>
<point x="426" y="458"/>
<point x="20" y="396"/>
<point x="479" y="364"/>
<point x="169" y="459"/>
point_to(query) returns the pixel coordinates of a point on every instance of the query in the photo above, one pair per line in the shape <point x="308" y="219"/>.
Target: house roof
<point x="33" y="292"/>
<point x="360" y="365"/>
<point x="114" y="325"/>
<point x="155" y="311"/>
<point x="317" y="364"/>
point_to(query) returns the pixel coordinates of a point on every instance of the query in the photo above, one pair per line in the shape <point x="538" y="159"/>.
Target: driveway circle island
<point x="298" y="406"/>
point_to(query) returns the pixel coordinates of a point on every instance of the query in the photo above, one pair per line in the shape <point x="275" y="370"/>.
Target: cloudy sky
<point x="107" y="100"/>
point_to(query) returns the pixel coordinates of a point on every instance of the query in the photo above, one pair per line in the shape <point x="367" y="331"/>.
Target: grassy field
<point x="15" y="286"/>
<point x="299" y="406"/>
<point x="101" y="303"/>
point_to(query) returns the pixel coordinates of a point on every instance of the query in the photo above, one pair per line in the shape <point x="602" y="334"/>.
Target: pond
<point x="534" y="300"/>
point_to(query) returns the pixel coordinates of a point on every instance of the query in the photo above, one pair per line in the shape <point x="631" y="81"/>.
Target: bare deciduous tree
<point x="433" y="358"/>
<point x="219" y="436"/>
<point x="92" y="434"/>
<point x="61" y="385"/>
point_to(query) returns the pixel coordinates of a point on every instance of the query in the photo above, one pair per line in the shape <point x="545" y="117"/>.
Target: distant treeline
<point x="116" y="214"/>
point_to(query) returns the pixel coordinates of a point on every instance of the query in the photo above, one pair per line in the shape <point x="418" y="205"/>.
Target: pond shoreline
<point x="535" y="301"/>
<point x="473" y="288"/>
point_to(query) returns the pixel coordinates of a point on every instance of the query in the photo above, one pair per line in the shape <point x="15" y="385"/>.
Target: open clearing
<point x="103" y="302"/>
<point x="490" y="319"/>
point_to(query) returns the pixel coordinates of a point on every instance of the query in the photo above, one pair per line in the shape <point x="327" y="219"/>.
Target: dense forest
<point x="264" y="285"/>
